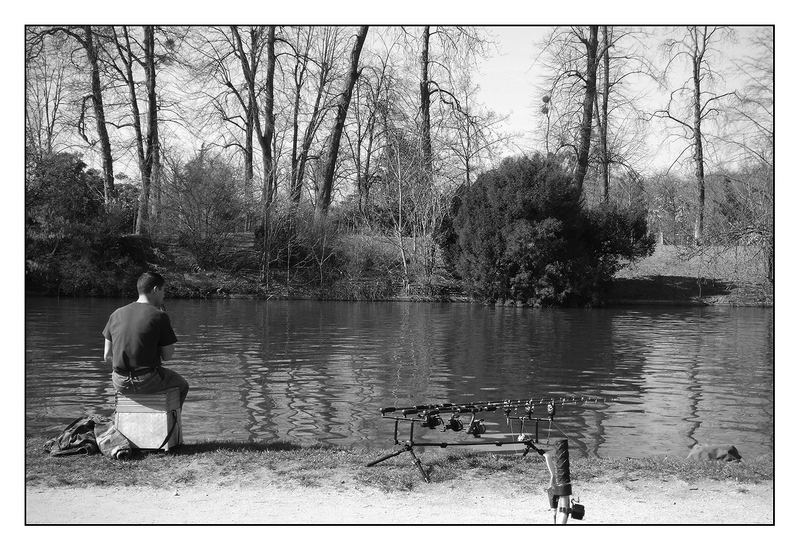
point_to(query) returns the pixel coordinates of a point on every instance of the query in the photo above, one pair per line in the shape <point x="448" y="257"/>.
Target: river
<point x="312" y="371"/>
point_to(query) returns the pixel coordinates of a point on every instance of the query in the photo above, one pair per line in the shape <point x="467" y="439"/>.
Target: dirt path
<point x="340" y="501"/>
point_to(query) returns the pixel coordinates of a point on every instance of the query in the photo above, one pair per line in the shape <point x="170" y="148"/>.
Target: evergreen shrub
<point x="521" y="233"/>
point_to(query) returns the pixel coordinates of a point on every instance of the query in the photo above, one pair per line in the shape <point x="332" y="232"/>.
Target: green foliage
<point x="72" y="241"/>
<point x="521" y="233"/>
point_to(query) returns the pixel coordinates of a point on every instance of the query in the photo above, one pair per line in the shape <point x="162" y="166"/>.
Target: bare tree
<point x="619" y="125"/>
<point x="217" y="56"/>
<point x="264" y="127"/>
<point x="590" y="81"/>
<point x="46" y="94"/>
<point x="696" y="47"/>
<point x="314" y="51"/>
<point x="86" y="37"/>
<point x="752" y="117"/>
<point x="749" y="202"/>
<point x="366" y="137"/>
<point x="572" y="61"/>
<point x="130" y="54"/>
<point x="602" y="111"/>
<point x="456" y="46"/>
<point x="325" y="190"/>
<point x="475" y="135"/>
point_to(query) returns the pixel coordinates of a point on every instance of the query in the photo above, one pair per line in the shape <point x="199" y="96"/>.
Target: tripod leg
<point x="385" y="457"/>
<point x="419" y="464"/>
<point x="529" y="446"/>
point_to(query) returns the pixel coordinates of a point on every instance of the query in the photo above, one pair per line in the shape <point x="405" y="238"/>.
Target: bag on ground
<point x="112" y="442"/>
<point x="77" y="438"/>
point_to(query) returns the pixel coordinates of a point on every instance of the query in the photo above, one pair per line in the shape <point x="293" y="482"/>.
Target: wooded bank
<point x="359" y="163"/>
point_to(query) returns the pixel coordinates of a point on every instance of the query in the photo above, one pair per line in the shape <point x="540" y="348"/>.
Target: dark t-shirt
<point x="136" y="331"/>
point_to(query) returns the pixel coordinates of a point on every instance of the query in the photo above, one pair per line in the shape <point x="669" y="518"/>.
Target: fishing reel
<point x="551" y="409"/>
<point x="476" y="428"/>
<point x="454" y="423"/>
<point x="431" y="420"/>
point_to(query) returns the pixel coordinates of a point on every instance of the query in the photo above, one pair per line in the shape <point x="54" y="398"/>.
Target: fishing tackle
<point x="431" y="421"/>
<point x="454" y="423"/>
<point x="556" y="458"/>
<point x="476" y="428"/>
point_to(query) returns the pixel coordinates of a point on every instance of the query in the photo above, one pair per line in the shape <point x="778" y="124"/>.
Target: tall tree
<point x="310" y="57"/>
<point x="603" y="113"/>
<point x="218" y="56"/>
<point x="366" y="137"/>
<point x="46" y="94"/>
<point x="86" y="37"/>
<point x="425" y="98"/>
<point x="696" y="47"/>
<point x="590" y="82"/>
<point x="146" y="142"/>
<point x="265" y="129"/>
<point x="572" y="59"/>
<point x="325" y="191"/>
<point x="457" y="47"/>
<point x="263" y="117"/>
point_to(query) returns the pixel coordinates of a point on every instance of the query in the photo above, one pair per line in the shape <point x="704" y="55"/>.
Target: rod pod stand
<point x="408" y="446"/>
<point x="560" y="489"/>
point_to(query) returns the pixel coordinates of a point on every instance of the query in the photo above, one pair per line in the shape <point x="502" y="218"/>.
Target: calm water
<point x="319" y="371"/>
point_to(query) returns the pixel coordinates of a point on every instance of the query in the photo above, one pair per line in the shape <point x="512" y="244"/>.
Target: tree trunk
<point x="425" y="101"/>
<point x="588" y="105"/>
<point x="248" y="164"/>
<point x="151" y="144"/>
<point x="604" y="166"/>
<point x="325" y="191"/>
<point x="699" y="169"/>
<point x="365" y="180"/>
<point x="250" y="127"/>
<point x="109" y="192"/>
<point x="265" y="140"/>
<point x="269" y="119"/>
<point x="311" y="131"/>
<point x="294" y="187"/>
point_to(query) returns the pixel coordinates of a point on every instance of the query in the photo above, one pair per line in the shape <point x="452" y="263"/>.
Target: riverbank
<point x="282" y="483"/>
<point x="672" y="276"/>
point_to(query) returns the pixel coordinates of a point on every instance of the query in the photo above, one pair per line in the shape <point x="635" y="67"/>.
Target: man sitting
<point x="137" y="337"/>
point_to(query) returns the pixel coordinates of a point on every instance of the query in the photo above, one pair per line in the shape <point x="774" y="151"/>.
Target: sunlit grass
<point x="244" y="464"/>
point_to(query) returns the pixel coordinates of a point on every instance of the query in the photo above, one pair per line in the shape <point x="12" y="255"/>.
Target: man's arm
<point x="108" y="351"/>
<point x="166" y="351"/>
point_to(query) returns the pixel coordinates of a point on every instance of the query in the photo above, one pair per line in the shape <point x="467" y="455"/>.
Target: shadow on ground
<point x="215" y="446"/>
<point x="676" y="290"/>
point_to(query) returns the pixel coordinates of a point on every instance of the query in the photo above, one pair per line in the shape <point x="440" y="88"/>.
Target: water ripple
<point x="319" y="371"/>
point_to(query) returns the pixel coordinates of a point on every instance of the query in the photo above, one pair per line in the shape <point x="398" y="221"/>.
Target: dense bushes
<point x="520" y="233"/>
<point x="340" y="262"/>
<point x="73" y="244"/>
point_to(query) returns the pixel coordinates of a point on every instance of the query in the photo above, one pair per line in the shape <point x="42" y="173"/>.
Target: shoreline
<point x="283" y="483"/>
<point x="611" y="303"/>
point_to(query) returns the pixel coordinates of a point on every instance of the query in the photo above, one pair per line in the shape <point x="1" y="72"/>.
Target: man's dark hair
<point x="147" y="281"/>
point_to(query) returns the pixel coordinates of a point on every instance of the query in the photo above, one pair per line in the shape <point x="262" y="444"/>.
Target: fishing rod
<point x="429" y="416"/>
<point x="493" y="405"/>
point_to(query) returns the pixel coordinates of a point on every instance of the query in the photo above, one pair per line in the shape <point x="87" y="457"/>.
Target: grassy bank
<point x="226" y="464"/>
<point x="673" y="275"/>
<point x="733" y="276"/>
